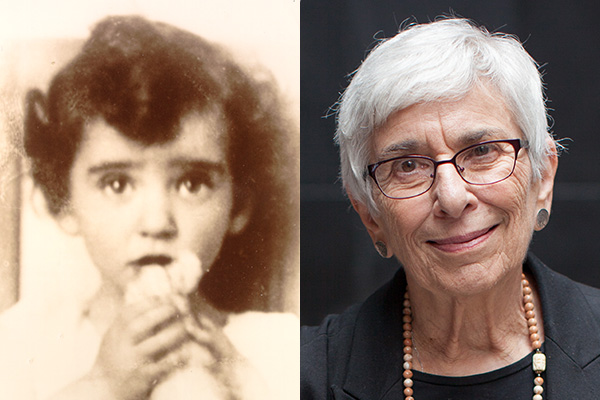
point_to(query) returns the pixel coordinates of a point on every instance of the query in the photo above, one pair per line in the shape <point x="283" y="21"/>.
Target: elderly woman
<point x="446" y="157"/>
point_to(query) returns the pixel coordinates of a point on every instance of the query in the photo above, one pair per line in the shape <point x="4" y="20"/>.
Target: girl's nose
<point x="156" y="216"/>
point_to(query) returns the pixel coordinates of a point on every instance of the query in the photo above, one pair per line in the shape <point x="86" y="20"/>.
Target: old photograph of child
<point x="150" y="191"/>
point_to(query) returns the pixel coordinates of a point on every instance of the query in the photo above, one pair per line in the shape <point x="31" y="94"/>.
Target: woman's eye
<point x="408" y="166"/>
<point x="482" y="150"/>
<point x="404" y="166"/>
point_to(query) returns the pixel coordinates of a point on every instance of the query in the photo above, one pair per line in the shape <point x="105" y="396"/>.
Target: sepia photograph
<point x="149" y="200"/>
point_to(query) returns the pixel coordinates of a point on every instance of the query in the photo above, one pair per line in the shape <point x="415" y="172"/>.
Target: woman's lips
<point x="462" y="242"/>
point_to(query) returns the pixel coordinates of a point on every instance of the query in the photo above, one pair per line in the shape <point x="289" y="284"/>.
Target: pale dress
<point x="45" y="347"/>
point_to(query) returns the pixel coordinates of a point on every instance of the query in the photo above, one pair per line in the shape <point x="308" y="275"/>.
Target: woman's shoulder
<point x="376" y="308"/>
<point x="333" y="327"/>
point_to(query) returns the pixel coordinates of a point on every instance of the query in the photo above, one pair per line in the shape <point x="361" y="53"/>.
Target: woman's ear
<point x="368" y="220"/>
<point x="548" y="172"/>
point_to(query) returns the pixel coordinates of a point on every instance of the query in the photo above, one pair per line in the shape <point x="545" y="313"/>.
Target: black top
<point x="357" y="354"/>
<point x="514" y="381"/>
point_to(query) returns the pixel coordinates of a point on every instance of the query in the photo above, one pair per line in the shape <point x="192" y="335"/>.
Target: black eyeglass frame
<point x="517" y="145"/>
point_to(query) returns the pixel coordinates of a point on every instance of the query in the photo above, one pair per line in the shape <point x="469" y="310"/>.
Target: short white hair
<point x="441" y="60"/>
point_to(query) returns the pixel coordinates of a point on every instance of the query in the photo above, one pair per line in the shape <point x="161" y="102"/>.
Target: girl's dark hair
<point x="142" y="77"/>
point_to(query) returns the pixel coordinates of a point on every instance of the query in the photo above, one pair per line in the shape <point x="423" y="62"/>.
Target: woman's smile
<point x="460" y="243"/>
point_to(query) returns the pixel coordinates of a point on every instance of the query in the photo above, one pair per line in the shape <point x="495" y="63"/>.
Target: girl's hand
<point x="140" y="348"/>
<point x="215" y="369"/>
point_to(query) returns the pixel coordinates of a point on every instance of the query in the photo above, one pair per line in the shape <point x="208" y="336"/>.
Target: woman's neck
<point x="466" y="335"/>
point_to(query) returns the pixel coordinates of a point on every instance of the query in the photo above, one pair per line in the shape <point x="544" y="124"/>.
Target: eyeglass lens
<point x="481" y="164"/>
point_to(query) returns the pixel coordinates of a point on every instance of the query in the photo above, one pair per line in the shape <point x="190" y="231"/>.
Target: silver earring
<point x="381" y="248"/>
<point x="542" y="219"/>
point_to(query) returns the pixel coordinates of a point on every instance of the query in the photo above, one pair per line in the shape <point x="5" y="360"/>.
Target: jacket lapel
<point x="572" y="334"/>
<point x="374" y="365"/>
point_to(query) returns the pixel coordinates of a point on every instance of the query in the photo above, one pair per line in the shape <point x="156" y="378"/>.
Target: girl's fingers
<point x="214" y="340"/>
<point x="152" y="321"/>
<point x="168" y="339"/>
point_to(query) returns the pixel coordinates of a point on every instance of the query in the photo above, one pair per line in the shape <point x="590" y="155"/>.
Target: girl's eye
<point x="192" y="185"/>
<point x="116" y="185"/>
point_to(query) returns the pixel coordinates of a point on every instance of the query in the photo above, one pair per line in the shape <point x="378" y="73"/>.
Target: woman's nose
<point x="452" y="196"/>
<point x="156" y="218"/>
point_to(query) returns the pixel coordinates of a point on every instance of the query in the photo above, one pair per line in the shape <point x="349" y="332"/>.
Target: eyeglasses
<point x="480" y="164"/>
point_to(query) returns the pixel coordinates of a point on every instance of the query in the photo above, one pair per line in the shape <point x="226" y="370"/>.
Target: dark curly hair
<point x="142" y="77"/>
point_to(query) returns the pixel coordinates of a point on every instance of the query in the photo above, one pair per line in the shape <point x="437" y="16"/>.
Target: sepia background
<point x="339" y="264"/>
<point x="36" y="39"/>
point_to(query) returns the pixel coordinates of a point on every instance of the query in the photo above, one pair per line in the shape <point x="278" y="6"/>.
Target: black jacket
<point x="355" y="355"/>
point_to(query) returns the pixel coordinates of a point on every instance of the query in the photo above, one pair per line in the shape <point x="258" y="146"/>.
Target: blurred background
<point x="339" y="265"/>
<point x="37" y="37"/>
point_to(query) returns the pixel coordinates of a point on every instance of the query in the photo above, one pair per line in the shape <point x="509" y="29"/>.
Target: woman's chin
<point x="466" y="280"/>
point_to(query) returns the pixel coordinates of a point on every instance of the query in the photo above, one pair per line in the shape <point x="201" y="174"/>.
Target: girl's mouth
<point x="153" y="259"/>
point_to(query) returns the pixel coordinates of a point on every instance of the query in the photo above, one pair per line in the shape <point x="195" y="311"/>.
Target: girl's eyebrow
<point x="184" y="163"/>
<point x="110" y="166"/>
<point x="187" y="163"/>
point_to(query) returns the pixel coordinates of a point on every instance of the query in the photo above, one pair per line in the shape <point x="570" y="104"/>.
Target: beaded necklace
<point x="539" y="359"/>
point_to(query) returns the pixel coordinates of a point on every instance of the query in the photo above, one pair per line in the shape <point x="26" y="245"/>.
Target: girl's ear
<point x="68" y="222"/>
<point x="241" y="216"/>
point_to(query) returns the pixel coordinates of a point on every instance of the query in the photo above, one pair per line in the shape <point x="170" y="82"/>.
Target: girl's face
<point x="136" y="205"/>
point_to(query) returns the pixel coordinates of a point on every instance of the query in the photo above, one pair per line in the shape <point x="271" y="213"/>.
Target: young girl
<point x="171" y="163"/>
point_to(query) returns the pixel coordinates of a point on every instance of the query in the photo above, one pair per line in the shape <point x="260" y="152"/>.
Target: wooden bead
<point x="533" y="329"/>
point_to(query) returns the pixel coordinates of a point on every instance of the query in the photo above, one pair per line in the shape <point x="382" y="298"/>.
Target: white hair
<point x="442" y="60"/>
